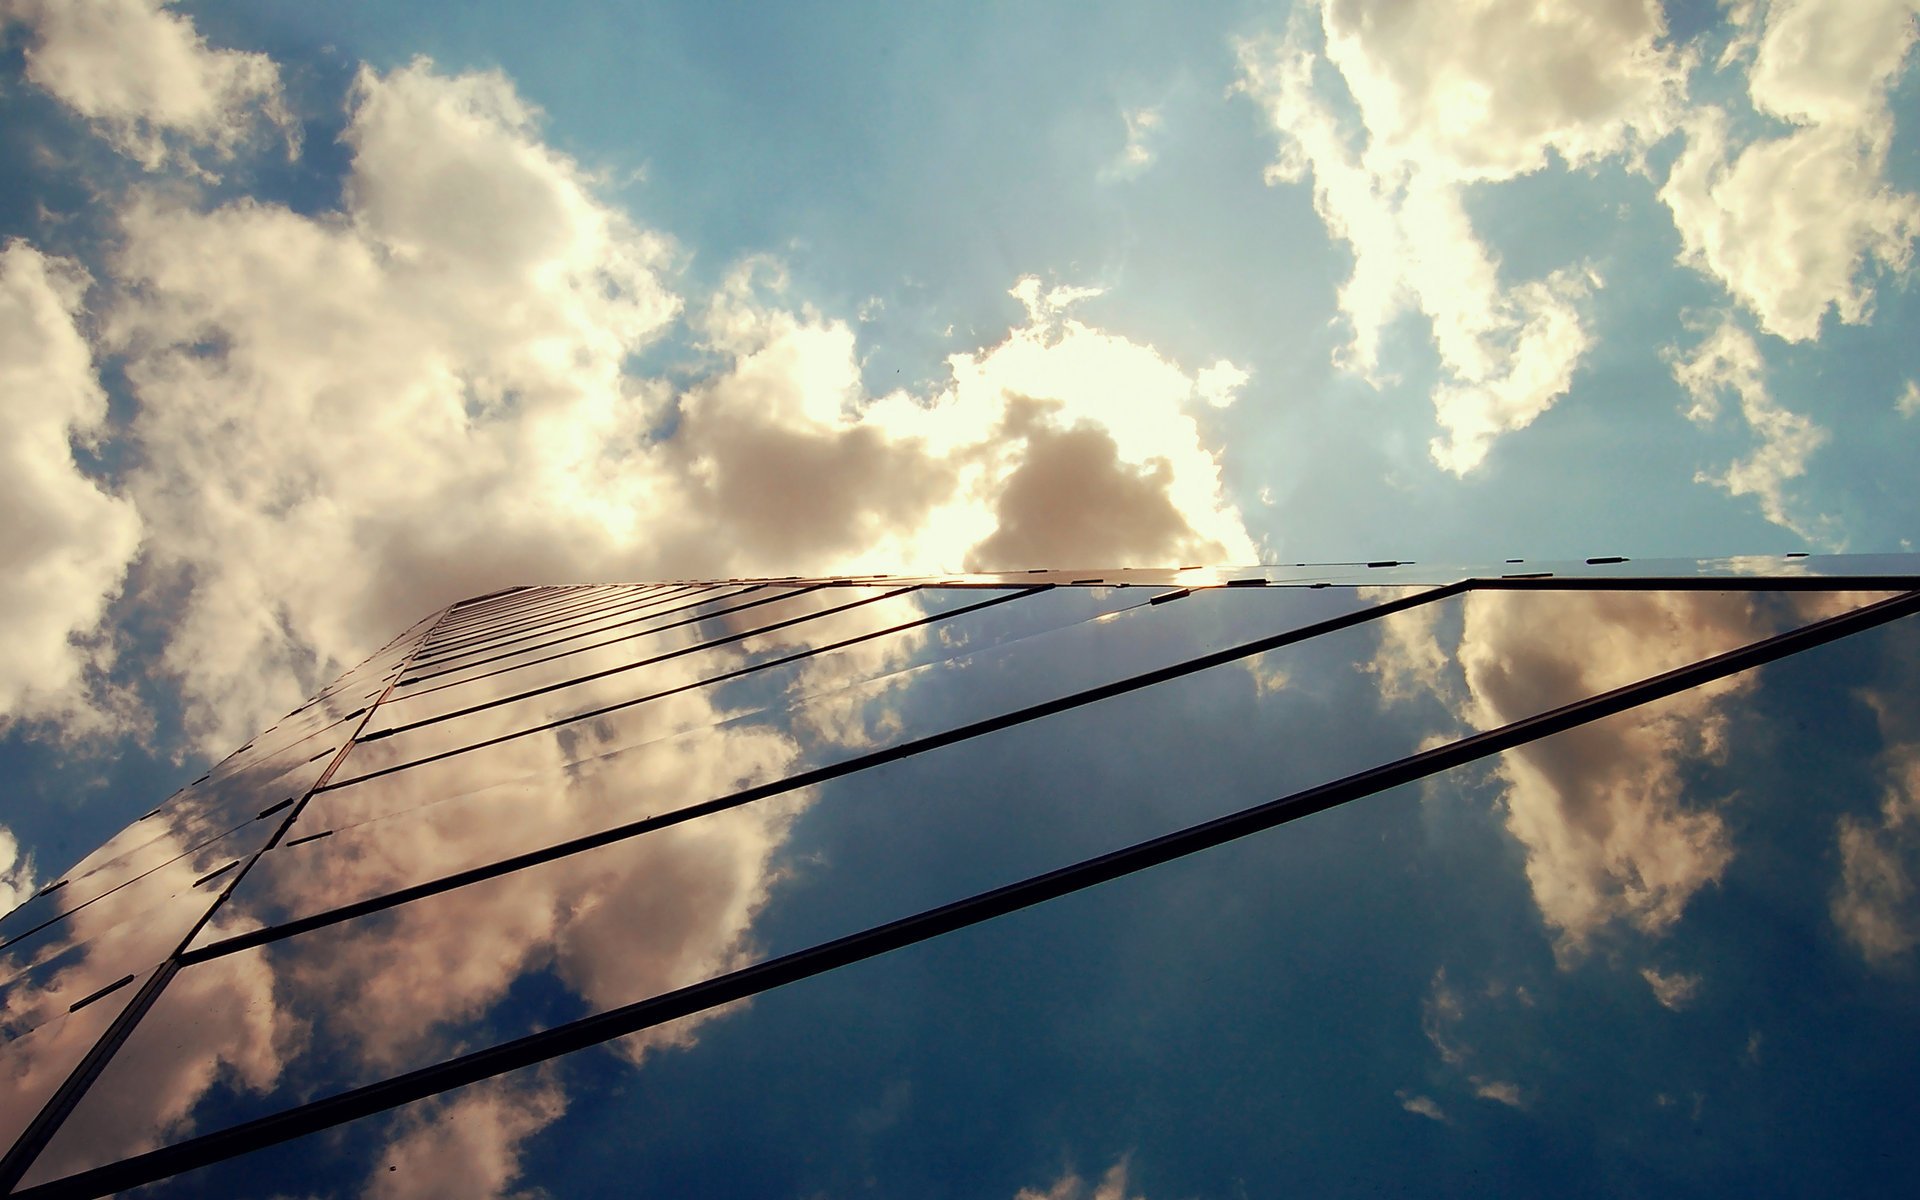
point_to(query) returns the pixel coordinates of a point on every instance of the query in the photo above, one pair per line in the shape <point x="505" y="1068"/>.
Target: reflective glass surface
<point x="1620" y="945"/>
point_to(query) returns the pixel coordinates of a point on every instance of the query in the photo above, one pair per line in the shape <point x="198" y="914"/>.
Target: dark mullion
<point x="947" y="918"/>
<point x="1698" y="583"/>
<point x="34" y="1138"/>
<point x="625" y="637"/>
<point x="528" y="599"/>
<point x="642" y="598"/>
<point x="603" y="597"/>
<point x="467" y="612"/>
<point x="816" y="775"/>
<point x="604" y="600"/>
<point x="126" y="883"/>
<point x="679" y="602"/>
<point x="548" y="598"/>
<point x="585" y="597"/>
<point x="598" y="622"/>
<point x="630" y="702"/>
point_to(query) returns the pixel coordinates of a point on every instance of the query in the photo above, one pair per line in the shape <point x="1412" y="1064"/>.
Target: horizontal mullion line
<point x="625" y="597"/>
<point x="625" y="637"/>
<point x="817" y="775"/>
<point x="129" y="882"/>
<point x="458" y="624"/>
<point x="617" y="600"/>
<point x="461" y="615"/>
<point x="947" y="918"/>
<point x="571" y="602"/>
<point x="616" y="706"/>
<point x="671" y="654"/>
<point x="1697" y="583"/>
<point x="480" y="656"/>
<point x="45" y="1124"/>
<point x="690" y="603"/>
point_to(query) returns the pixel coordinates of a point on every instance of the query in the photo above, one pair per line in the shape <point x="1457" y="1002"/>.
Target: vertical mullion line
<point x="41" y="1130"/>
<point x="1028" y="892"/>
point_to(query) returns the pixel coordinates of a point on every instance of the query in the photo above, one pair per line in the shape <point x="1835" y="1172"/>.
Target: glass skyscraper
<point x="781" y="886"/>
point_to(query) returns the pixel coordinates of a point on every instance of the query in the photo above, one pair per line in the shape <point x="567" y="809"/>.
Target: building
<point x="656" y="858"/>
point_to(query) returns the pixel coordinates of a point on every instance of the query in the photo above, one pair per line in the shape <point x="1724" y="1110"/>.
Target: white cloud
<point x="146" y="79"/>
<point x="1409" y="661"/>
<point x="1444" y="1014"/>
<point x="1441" y="1014"/>
<point x="1441" y="107"/>
<point x="1876" y="901"/>
<point x="1729" y="361"/>
<point x="1070" y="1186"/>
<point x="1791" y="224"/>
<point x="1219" y="385"/>
<point x="66" y="542"/>
<point x="239" y="1035"/>
<point x="1601" y="811"/>
<point x="466" y="1145"/>
<point x="1143" y="126"/>
<point x="17" y="882"/>
<point x="1500" y="1091"/>
<point x="1820" y="63"/>
<point x="1423" y="1106"/>
<point x="1488" y="90"/>
<point x="1908" y="405"/>
<point x="457" y="341"/>
<point x="1674" y="990"/>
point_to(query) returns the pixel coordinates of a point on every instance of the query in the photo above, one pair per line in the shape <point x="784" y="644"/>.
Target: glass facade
<point x="758" y="886"/>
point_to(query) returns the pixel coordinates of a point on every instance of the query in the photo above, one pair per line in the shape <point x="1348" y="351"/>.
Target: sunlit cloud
<point x="1674" y="990"/>
<point x="17" y="881"/>
<point x="1444" y="1014"/>
<point x="1601" y="811"/>
<point x="460" y="336"/>
<point x="1500" y="1091"/>
<point x="1876" y="901"/>
<point x="1445" y="99"/>
<point x="467" y="1144"/>
<point x="67" y="542"/>
<point x="1143" y="130"/>
<point x="1424" y="1106"/>
<point x="1728" y="360"/>
<point x="1070" y="1186"/>
<point x="1794" y="225"/>
<point x="1220" y="384"/>
<point x="147" y="81"/>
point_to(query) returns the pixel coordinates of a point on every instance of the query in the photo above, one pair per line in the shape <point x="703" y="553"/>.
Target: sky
<point x="314" y="318"/>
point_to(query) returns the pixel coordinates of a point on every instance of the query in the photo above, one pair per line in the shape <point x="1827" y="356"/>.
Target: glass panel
<point x="1442" y="928"/>
<point x="33" y="1067"/>
<point x="208" y="811"/>
<point x="460" y="622"/>
<point x="620" y="607"/>
<point x="489" y="961"/>
<point x="617" y="640"/>
<point x="750" y="731"/>
<point x="621" y="652"/>
<point x="126" y="930"/>
<point x="720" y="648"/>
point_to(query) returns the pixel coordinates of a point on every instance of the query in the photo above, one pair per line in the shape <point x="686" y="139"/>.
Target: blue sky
<point x="316" y="317"/>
